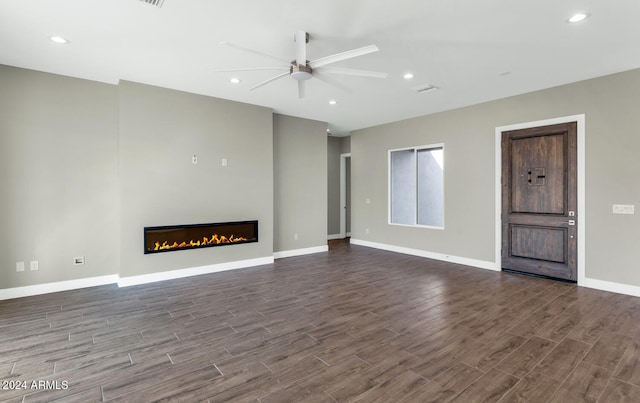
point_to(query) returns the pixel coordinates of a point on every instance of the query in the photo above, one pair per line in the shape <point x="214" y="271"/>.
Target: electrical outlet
<point x="194" y="159"/>
<point x="623" y="209"/>
<point x="78" y="260"/>
<point x="33" y="265"/>
<point x="224" y="162"/>
<point x="19" y="266"/>
<point x="295" y="237"/>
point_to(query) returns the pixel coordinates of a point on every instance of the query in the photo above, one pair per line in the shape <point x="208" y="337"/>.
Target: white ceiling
<point x="463" y="47"/>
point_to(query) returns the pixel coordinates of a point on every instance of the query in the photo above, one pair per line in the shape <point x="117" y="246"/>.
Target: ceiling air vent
<point x="425" y="88"/>
<point x="157" y="3"/>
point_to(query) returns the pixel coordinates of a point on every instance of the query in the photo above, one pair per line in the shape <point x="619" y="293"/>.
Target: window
<point x="416" y="186"/>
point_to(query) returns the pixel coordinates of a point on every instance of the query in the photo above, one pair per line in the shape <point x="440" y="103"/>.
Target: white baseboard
<point x="587" y="282"/>
<point x="27" y="291"/>
<point x="482" y="264"/>
<point x="30" y="290"/>
<point x="300" y="252"/>
<point x="610" y="286"/>
<point x="192" y="271"/>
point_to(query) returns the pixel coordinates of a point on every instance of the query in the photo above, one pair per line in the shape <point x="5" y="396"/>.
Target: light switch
<point x="224" y="162"/>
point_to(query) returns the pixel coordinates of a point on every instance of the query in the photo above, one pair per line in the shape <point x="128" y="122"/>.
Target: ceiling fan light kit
<point x="302" y="69"/>
<point x="300" y="73"/>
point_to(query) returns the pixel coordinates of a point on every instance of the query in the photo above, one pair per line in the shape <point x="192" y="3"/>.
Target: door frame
<point x="343" y="194"/>
<point x="580" y="122"/>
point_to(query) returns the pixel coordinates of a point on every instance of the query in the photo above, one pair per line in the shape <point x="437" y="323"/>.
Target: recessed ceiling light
<point x="408" y="76"/>
<point x="333" y="102"/>
<point x="577" y="17"/>
<point x="234" y="80"/>
<point x="59" y="39"/>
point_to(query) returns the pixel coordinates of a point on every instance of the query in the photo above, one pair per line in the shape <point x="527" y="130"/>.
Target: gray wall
<point x="160" y="131"/>
<point x="58" y="158"/>
<point x="612" y="164"/>
<point x="345" y="144"/>
<point x="300" y="183"/>
<point x="87" y="165"/>
<point x="78" y="155"/>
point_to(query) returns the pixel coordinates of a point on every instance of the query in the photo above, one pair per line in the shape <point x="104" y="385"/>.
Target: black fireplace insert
<point x="170" y="238"/>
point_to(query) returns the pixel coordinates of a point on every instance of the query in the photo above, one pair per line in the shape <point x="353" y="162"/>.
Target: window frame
<point x="415" y="150"/>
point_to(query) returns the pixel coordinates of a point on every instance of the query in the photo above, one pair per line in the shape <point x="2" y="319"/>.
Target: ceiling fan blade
<point x="301" y="89"/>
<point x="352" y="72"/>
<point x="255" y="52"/>
<point x="330" y="80"/>
<point x="323" y="61"/>
<point x="269" y="80"/>
<point x="250" y="69"/>
<point x="301" y="48"/>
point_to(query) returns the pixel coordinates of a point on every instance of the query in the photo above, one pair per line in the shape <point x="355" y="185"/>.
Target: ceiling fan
<point x="302" y="69"/>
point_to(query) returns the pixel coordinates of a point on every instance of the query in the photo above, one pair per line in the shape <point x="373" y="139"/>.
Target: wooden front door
<point x="539" y="201"/>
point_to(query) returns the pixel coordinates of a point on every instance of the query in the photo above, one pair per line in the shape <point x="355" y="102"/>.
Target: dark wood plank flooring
<point x="355" y="324"/>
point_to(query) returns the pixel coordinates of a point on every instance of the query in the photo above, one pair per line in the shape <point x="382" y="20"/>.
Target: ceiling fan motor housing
<point x="299" y="72"/>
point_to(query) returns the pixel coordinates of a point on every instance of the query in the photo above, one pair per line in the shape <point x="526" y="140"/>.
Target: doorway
<point x="345" y="195"/>
<point x="539" y="201"/>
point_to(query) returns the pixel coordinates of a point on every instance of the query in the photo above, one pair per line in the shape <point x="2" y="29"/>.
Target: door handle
<point x="570" y="222"/>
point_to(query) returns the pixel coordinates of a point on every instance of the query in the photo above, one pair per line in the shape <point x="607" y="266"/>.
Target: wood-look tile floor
<point x="354" y="324"/>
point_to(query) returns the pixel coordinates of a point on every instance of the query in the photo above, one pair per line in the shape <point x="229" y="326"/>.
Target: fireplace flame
<point x="214" y="240"/>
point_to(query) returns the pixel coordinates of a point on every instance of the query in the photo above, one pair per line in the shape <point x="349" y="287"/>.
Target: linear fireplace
<point x="194" y="236"/>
